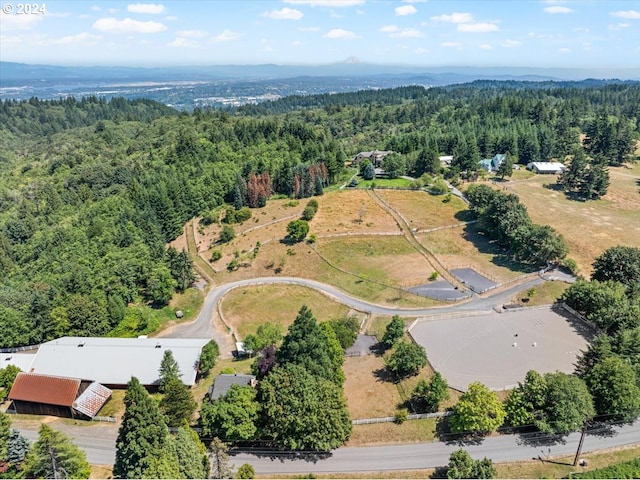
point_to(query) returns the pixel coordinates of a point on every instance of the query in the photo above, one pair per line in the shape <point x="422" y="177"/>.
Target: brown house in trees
<point x="37" y="394"/>
<point x="376" y="157"/>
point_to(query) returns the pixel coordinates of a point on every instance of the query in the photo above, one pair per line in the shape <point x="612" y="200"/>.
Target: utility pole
<point x="584" y="432"/>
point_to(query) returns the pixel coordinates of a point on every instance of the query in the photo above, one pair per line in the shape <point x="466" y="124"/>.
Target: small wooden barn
<point x="37" y="394"/>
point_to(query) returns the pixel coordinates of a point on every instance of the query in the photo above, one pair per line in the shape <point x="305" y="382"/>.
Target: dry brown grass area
<point x="422" y="210"/>
<point x="588" y="227"/>
<point x="278" y="304"/>
<point x="411" y="431"/>
<point x="341" y="211"/>
<point x="367" y="395"/>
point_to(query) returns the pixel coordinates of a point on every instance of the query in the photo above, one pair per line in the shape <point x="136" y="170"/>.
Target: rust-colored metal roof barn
<point x="38" y="394"/>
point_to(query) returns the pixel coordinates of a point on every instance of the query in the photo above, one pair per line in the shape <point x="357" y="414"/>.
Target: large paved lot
<point x="498" y="349"/>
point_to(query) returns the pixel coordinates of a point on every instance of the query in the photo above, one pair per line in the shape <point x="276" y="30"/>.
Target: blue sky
<point x="533" y="33"/>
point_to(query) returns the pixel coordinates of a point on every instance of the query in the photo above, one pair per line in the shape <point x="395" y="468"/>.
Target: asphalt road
<point x="207" y="325"/>
<point x="430" y="455"/>
<point x="98" y="441"/>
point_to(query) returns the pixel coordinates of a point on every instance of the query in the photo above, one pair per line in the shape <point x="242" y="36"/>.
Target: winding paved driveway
<point x="209" y="325"/>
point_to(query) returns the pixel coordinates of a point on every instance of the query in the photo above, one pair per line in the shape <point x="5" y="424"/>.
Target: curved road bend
<point x="208" y="325"/>
<point x="99" y="444"/>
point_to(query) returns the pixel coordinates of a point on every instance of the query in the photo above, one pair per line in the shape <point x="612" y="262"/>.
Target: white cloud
<point x="421" y="51"/>
<point x="405" y="10"/>
<point x="564" y="50"/>
<point x="451" y="45"/>
<point x="619" y="26"/>
<point x="511" y="43"/>
<point x="296" y="43"/>
<point x="226" y="36"/>
<point x="407" y="33"/>
<point x="389" y="29"/>
<point x="558" y="9"/>
<point x="309" y="29"/>
<point x="326" y="3"/>
<point x="80" y="38"/>
<point x="339" y="33"/>
<point x="171" y="18"/>
<point x="127" y="25"/>
<point x="486" y="46"/>
<point x="181" y="42"/>
<point x="193" y="34"/>
<point x="95" y="8"/>
<point x="19" y="22"/>
<point x="112" y="11"/>
<point x="454" y="18"/>
<point x="154" y="8"/>
<point x="628" y="14"/>
<point x="477" y="27"/>
<point x="284" y="14"/>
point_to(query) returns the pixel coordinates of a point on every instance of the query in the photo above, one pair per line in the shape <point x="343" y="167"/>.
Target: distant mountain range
<point x="220" y="85"/>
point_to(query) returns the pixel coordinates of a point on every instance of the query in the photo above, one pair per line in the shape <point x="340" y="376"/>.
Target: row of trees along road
<point x="92" y="190"/>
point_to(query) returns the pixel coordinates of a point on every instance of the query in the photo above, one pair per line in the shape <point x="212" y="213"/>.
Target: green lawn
<point x="384" y="183"/>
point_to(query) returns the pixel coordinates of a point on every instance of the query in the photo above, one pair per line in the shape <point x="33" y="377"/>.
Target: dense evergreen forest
<point x="92" y="190"/>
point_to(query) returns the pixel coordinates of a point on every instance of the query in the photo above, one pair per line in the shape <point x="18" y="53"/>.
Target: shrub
<point x="297" y="230"/>
<point x="227" y="234"/>
<point x="433" y="276"/>
<point x="312" y="238"/>
<point x="570" y="265"/>
<point x="308" y="213"/>
<point x="216" y="255"/>
<point x="209" y="218"/>
<point x="401" y="416"/>
<point x="439" y="187"/>
<point x="246" y="471"/>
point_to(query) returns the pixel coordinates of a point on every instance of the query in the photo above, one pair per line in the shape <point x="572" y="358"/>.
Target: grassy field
<point x="278" y="304"/>
<point x="384" y="183"/>
<point x="544" y="294"/>
<point x="389" y="260"/>
<point x="588" y="227"/>
<point x="422" y="210"/>
<point x="463" y="247"/>
<point x="411" y="431"/>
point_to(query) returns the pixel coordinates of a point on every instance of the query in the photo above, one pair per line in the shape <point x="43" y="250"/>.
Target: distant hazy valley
<point x="222" y="86"/>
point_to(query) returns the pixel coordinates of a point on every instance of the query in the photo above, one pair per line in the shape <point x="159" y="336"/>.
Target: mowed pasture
<point x="588" y="227"/>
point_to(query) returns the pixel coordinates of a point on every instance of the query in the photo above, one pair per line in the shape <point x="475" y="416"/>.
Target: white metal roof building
<point x="22" y="360"/>
<point x="113" y="361"/>
<point x="546" y="167"/>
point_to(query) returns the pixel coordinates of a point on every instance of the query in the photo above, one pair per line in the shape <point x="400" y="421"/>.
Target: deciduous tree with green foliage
<point x="478" y="411"/>
<point x="208" y="357"/>
<point x="407" y="359"/>
<point x="346" y="330"/>
<point x="428" y="395"/>
<point x="300" y="411"/>
<point x="621" y="264"/>
<point x="461" y="465"/>
<point x="567" y="405"/>
<point x="54" y="455"/>
<point x="297" y="230"/>
<point x="393" y="332"/>
<point x="5" y="432"/>
<point x="233" y="416"/>
<point x="246" y="471"/>
<point x="614" y="387"/>
<point x="268" y="334"/>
